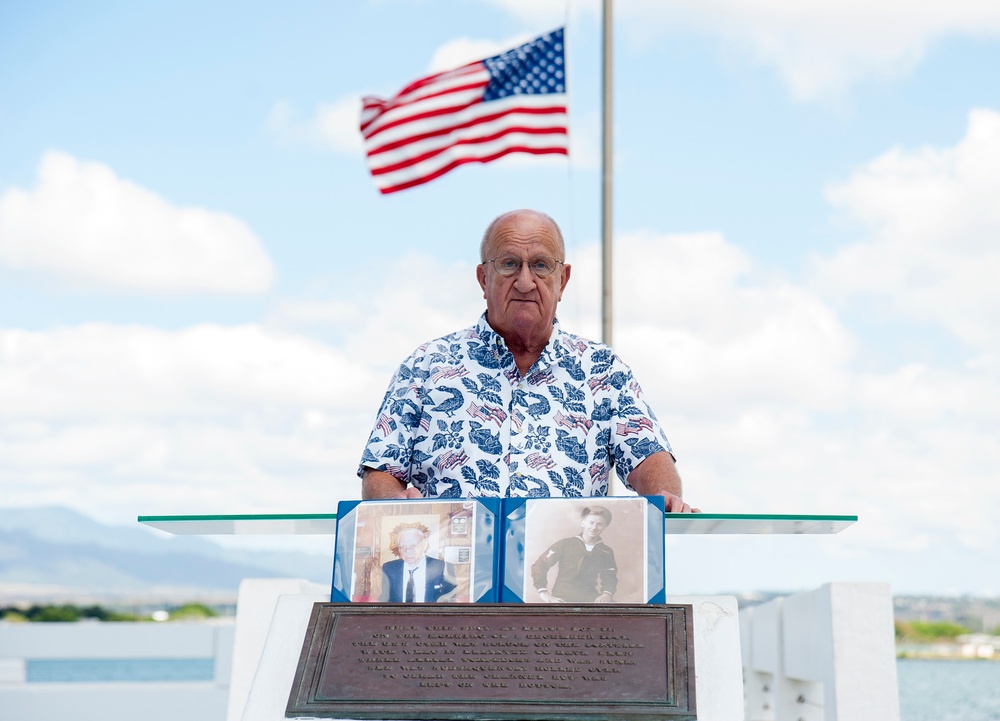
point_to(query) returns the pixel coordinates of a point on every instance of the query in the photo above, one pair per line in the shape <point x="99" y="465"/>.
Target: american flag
<point x="386" y="424"/>
<point x="514" y="102"/>
<point x="634" y="425"/>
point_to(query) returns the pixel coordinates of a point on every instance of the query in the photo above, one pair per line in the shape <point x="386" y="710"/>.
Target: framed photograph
<point x="583" y="550"/>
<point x="415" y="551"/>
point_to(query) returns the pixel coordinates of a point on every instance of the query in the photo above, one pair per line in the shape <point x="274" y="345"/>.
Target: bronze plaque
<point x="496" y="661"/>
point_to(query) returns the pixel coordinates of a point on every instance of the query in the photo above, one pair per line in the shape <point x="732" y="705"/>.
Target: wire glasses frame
<point x="541" y="265"/>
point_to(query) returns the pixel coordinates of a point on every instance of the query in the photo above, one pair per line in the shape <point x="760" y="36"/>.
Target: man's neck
<point x="525" y="360"/>
<point x="527" y="349"/>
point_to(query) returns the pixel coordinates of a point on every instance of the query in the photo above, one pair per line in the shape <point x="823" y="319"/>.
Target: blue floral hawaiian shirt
<point x="459" y="420"/>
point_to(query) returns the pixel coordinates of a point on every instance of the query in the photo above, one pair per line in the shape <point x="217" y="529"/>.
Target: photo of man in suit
<point x="414" y="577"/>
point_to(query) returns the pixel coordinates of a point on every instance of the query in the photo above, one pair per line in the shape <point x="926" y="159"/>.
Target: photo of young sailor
<point x="586" y="552"/>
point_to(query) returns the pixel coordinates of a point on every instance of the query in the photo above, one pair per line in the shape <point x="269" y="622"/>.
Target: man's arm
<point x="540" y="575"/>
<point x="657" y="476"/>
<point x="384" y="596"/>
<point x="609" y="580"/>
<point x="379" y="484"/>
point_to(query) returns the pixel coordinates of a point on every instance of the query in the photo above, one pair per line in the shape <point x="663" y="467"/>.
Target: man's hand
<point x="676" y="504"/>
<point x="657" y="476"/>
<point x="605" y="597"/>
<point x="380" y="485"/>
<point x="548" y="597"/>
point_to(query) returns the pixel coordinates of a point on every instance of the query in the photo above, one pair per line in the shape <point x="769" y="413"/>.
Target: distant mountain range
<point x="55" y="552"/>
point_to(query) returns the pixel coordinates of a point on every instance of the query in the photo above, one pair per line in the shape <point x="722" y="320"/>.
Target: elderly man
<point x="514" y="405"/>
<point x="414" y="577"/>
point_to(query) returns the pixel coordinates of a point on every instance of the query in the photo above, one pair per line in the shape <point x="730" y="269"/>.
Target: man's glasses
<point x="540" y="265"/>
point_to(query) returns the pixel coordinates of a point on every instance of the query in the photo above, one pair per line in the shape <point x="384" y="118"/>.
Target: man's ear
<point x="481" y="277"/>
<point x="567" y="269"/>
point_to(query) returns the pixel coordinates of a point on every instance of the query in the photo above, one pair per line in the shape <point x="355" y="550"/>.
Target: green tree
<point x="191" y="612"/>
<point x="51" y="614"/>
<point x="930" y="630"/>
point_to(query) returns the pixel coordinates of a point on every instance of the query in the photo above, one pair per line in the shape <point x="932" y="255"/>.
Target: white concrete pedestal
<point x="718" y="671"/>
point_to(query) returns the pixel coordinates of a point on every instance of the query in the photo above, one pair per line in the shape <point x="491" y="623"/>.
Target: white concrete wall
<point x="718" y="683"/>
<point x="84" y="701"/>
<point x="254" y="612"/>
<point x="823" y="655"/>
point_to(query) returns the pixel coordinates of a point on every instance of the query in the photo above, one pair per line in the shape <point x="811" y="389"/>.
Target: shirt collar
<point x="495" y="342"/>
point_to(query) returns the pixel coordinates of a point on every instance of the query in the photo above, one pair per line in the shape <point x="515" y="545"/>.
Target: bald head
<point x="543" y="221"/>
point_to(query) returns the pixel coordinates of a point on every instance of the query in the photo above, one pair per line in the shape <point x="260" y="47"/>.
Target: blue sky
<point x="202" y="295"/>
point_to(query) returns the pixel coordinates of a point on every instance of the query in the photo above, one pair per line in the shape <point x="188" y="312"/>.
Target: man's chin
<point x="525" y="318"/>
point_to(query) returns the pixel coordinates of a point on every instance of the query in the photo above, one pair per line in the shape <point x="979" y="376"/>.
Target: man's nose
<point x="525" y="280"/>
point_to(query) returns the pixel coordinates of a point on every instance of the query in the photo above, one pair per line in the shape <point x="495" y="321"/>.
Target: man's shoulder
<point x="578" y="345"/>
<point x="570" y="542"/>
<point x="395" y="563"/>
<point x="449" y="345"/>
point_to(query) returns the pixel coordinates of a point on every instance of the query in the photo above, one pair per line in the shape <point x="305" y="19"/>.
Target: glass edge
<point x="243" y="517"/>
<point x="333" y="516"/>
<point x="758" y="517"/>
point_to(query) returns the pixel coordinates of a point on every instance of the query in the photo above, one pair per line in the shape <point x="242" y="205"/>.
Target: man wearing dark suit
<point x="413" y="577"/>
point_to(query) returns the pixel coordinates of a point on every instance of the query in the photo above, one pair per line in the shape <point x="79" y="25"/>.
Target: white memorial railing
<point x="83" y="643"/>
<point x="823" y="655"/>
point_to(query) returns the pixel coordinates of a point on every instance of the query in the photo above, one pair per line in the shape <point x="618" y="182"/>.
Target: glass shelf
<point x="722" y="523"/>
<point x="273" y="524"/>
<point x="293" y="524"/>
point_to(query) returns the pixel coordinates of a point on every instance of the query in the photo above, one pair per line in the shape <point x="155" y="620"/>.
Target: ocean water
<point x="931" y="690"/>
<point x="103" y="670"/>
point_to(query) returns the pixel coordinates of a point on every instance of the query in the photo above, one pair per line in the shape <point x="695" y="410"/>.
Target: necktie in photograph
<point x="408" y="597"/>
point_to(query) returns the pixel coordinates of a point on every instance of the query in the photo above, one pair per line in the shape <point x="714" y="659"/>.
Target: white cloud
<point x="540" y="12"/>
<point x="85" y="224"/>
<point x="120" y="421"/>
<point x="694" y="310"/>
<point x="932" y="220"/>
<point x="755" y="380"/>
<point x="108" y="371"/>
<point x="752" y="376"/>
<point x="334" y="125"/>
<point x="822" y="47"/>
<point x="461" y="51"/>
<point x="819" y="48"/>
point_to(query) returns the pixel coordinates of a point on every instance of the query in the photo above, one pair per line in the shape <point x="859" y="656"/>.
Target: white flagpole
<point x="615" y="487"/>
<point x="606" y="175"/>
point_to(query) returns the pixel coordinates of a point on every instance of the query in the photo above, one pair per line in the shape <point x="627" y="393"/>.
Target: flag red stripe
<point x="392" y="105"/>
<point x="437" y="78"/>
<point x="461" y="161"/>
<point x="450" y="110"/>
<point x="557" y="130"/>
<point x="461" y="126"/>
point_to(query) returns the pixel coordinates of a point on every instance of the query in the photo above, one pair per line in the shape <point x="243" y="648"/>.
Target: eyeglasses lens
<point x="540" y="265"/>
